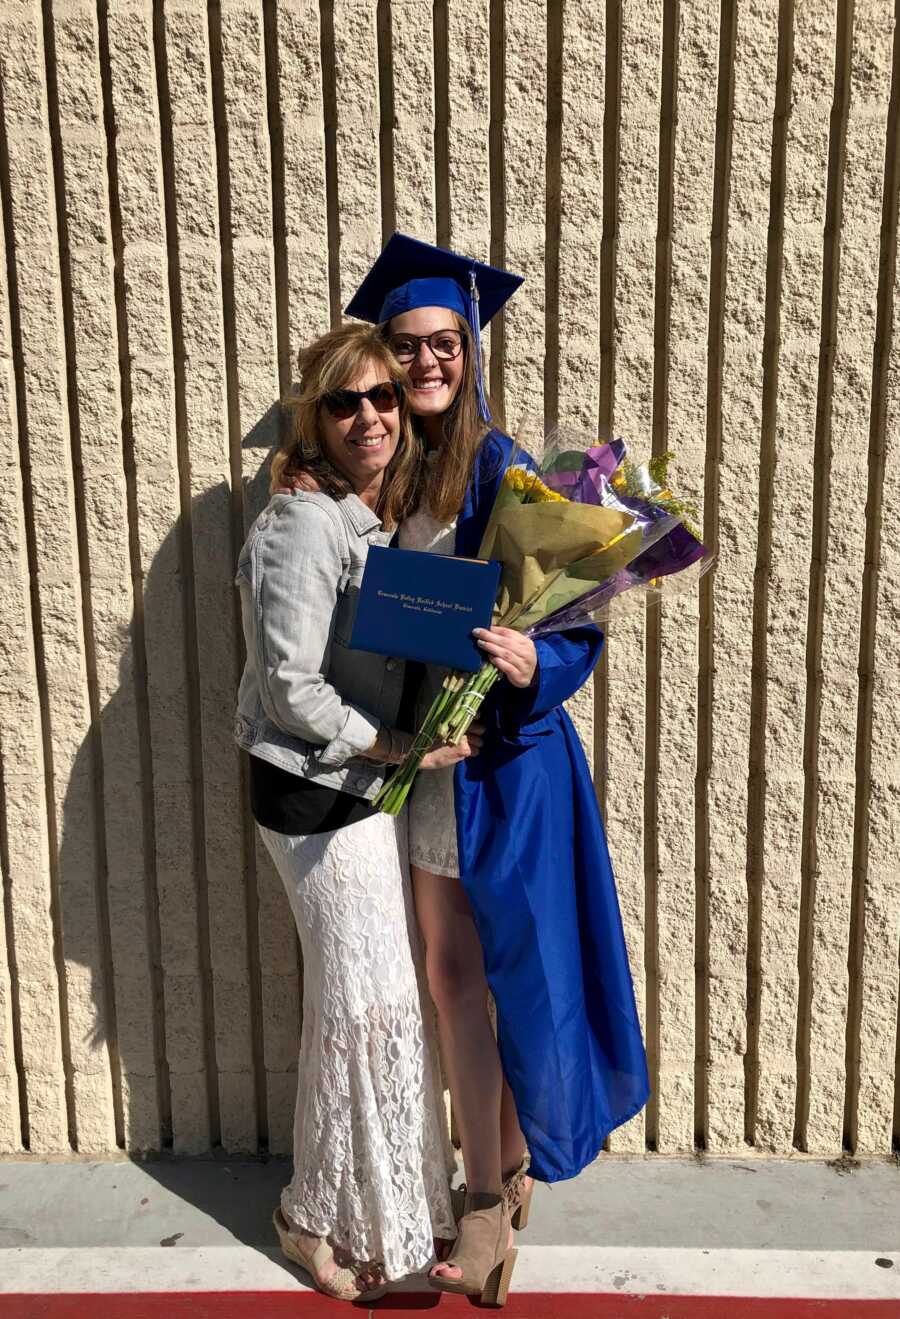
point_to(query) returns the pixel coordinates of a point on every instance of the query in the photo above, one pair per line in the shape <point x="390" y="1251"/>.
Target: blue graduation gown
<point x="535" y="865"/>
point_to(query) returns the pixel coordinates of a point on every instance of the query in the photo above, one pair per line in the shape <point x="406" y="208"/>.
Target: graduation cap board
<point x="410" y="274"/>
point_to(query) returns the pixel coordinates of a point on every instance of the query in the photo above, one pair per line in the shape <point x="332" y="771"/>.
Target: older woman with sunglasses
<point x="370" y="1185"/>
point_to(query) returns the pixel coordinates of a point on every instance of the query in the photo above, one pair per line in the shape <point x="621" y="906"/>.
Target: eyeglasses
<point x="444" y="344"/>
<point x="344" y="403"/>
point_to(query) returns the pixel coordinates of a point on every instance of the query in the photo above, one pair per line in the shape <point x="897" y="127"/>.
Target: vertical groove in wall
<point x="665" y="204"/>
<point x="276" y="156"/>
<point x="821" y="501"/>
<point x="15" y="331"/>
<point x="101" y="871"/>
<point x="441" y="44"/>
<point x="607" y="319"/>
<point x="187" y="571"/>
<point x="612" y="81"/>
<point x="329" y="118"/>
<point x="895" y="1135"/>
<point x="601" y="705"/>
<point x="553" y="193"/>
<point x="386" y="118"/>
<point x="497" y="169"/>
<point x="651" y="869"/>
<point x="883" y="350"/>
<point x="894" y="131"/>
<point x="12" y="966"/>
<point x="137" y="638"/>
<point x="653" y="634"/>
<point x="759" y="665"/>
<point x="718" y="267"/>
<point x="248" y="870"/>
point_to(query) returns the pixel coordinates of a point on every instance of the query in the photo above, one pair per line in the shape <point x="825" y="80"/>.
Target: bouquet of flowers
<point x="571" y="540"/>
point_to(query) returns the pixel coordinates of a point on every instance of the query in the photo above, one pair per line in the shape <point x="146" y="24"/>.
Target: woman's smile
<point x="367" y="441"/>
<point x="430" y="385"/>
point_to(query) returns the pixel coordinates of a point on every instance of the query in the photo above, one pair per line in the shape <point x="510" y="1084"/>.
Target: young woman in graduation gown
<point x="511" y="874"/>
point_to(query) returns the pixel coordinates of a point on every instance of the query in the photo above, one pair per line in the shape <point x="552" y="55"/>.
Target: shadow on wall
<point x="180" y="1000"/>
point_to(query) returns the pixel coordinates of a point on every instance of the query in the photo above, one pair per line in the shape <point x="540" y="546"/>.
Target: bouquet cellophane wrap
<point x="569" y="543"/>
<point x="551" y="553"/>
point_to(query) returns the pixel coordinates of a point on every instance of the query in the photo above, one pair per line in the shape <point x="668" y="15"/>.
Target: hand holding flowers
<point x="513" y="653"/>
<point x="444" y="755"/>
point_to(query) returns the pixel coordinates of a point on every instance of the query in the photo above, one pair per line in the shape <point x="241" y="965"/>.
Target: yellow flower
<point x="515" y="478"/>
<point x="538" y="493"/>
<point x="523" y="482"/>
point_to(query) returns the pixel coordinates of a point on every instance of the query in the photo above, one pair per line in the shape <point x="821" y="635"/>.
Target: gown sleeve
<point x="565" y="662"/>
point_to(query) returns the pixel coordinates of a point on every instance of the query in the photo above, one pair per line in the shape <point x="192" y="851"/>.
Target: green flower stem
<point x="452" y="712"/>
<point x="395" y="791"/>
<point x="468" y="703"/>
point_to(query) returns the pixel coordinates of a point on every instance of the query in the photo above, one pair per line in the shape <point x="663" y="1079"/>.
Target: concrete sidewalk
<point x="676" y="1235"/>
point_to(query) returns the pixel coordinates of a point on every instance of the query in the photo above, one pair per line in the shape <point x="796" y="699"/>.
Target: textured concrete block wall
<point x="703" y="197"/>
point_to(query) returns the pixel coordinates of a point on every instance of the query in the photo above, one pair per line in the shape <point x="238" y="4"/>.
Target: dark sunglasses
<point x="344" y="403"/>
<point x="444" y="344"/>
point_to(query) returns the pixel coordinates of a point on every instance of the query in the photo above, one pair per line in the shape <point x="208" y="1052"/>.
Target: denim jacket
<point x="307" y="702"/>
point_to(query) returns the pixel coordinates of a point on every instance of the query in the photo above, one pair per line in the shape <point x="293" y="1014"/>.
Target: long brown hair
<point x="328" y="363"/>
<point x="448" y="476"/>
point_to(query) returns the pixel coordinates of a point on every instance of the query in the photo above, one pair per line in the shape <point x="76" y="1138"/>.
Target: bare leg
<point x="454" y="965"/>
<point x="512" y="1142"/>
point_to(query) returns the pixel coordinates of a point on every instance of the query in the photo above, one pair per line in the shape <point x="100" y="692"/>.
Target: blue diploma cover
<point x="424" y="606"/>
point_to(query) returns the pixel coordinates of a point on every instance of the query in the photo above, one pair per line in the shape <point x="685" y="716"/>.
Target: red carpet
<point x="527" y="1305"/>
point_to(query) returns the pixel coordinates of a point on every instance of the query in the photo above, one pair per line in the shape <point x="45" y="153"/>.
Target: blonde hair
<point x="449" y="474"/>
<point x="331" y="362"/>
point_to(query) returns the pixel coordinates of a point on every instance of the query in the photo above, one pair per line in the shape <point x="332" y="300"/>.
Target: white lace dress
<point x="371" y="1152"/>
<point x="432" y="819"/>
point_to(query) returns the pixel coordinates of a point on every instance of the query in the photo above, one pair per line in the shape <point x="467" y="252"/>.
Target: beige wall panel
<point x="300" y="106"/>
<point x="27" y="945"/>
<point x="412" y="57"/>
<point x="881" y="928"/>
<point x="639" y="110"/>
<point x="74" y="852"/>
<point x="580" y="208"/>
<point x="625" y="815"/>
<point x="255" y="391"/>
<point x="469" y="59"/>
<point x="524" y="158"/>
<point x="692" y="190"/>
<point x="145" y="267"/>
<point x="249" y="202"/>
<point x="98" y="416"/>
<point x="300" y="99"/>
<point x="756" y="47"/>
<point x="207" y="441"/>
<point x="468" y="226"/>
<point x="845" y="565"/>
<point x="358" y="174"/>
<point x="805" y="180"/>
<point x="580" y="217"/>
<point x="10" y="1122"/>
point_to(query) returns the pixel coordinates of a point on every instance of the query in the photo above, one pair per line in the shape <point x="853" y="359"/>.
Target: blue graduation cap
<point x="410" y="274"/>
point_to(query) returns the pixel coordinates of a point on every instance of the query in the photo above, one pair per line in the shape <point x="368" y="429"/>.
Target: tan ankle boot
<point x="481" y="1252"/>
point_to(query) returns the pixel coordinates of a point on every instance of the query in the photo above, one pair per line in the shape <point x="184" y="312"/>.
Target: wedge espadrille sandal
<point x="342" y="1285"/>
